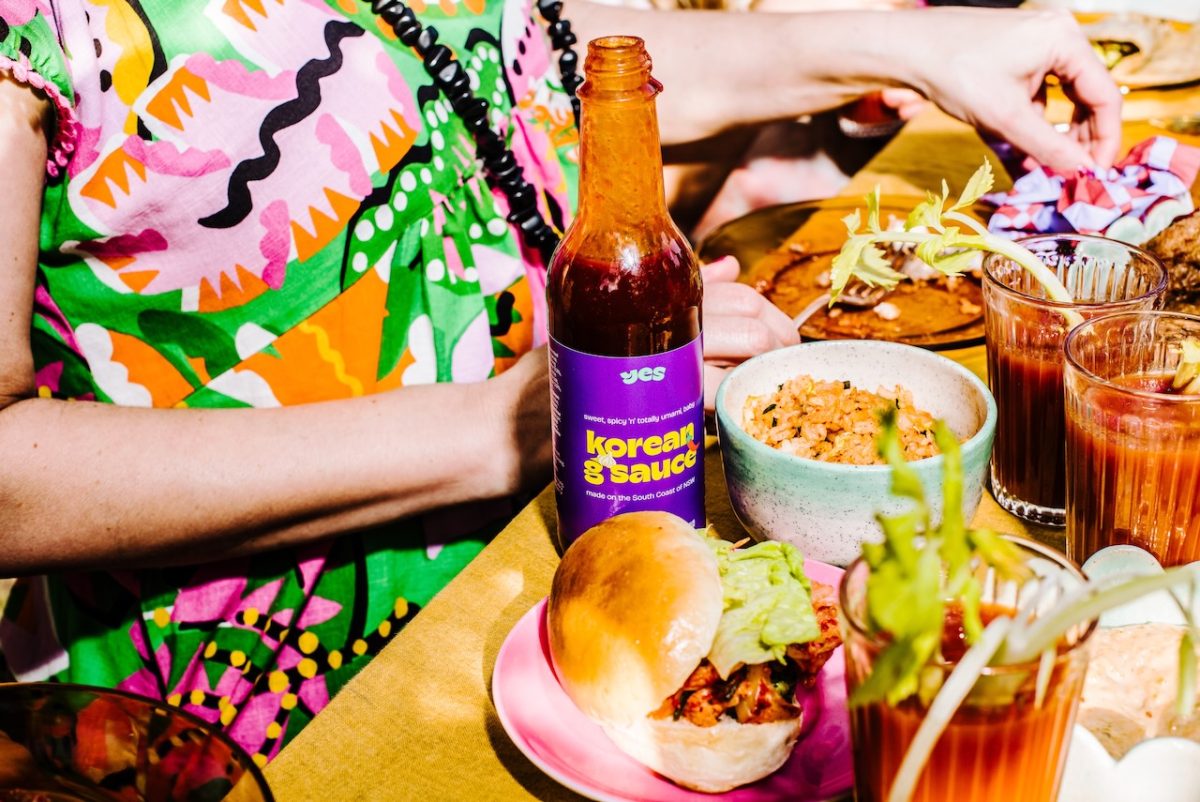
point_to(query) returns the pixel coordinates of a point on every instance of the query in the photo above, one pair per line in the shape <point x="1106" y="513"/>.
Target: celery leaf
<point x="977" y="186"/>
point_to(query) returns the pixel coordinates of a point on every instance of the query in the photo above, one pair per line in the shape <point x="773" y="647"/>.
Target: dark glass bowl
<point x="72" y="743"/>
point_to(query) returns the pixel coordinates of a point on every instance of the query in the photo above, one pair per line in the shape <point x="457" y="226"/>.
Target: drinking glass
<point x="72" y="743"/>
<point x="1025" y="331"/>
<point x="1003" y="743"/>
<point x="1133" y="446"/>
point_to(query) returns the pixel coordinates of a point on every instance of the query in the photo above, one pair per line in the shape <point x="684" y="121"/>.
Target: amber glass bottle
<point x="624" y="297"/>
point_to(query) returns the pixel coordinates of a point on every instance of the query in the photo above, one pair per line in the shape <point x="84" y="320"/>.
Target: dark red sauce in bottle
<point x="624" y="294"/>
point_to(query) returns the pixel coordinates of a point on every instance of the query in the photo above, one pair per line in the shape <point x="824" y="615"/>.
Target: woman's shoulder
<point x="293" y="201"/>
<point x="32" y="54"/>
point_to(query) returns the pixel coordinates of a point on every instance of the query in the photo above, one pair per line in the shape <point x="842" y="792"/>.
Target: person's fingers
<point x="713" y="376"/>
<point x="910" y="110"/>
<point x="733" y="339"/>
<point x="1096" y="96"/>
<point x="896" y="96"/>
<point x="732" y="299"/>
<point x="1095" y="132"/>
<point x="906" y="103"/>
<point x="724" y="269"/>
<point x="780" y="323"/>
<point x="740" y="300"/>
<point x="1083" y="130"/>
<point x="1038" y="101"/>
<point x="1029" y="132"/>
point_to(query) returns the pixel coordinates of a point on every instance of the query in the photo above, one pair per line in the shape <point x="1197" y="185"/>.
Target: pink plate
<point x="561" y="741"/>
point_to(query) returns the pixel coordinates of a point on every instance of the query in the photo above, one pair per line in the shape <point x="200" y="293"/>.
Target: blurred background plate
<point x="1144" y="51"/>
<point x="1181" y="10"/>
<point x="71" y="743"/>
<point x="783" y="251"/>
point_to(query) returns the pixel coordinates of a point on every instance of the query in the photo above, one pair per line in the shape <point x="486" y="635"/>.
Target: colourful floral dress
<point x="257" y="203"/>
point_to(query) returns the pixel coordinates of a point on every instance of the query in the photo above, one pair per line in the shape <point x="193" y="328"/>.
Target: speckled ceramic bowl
<point x="828" y="509"/>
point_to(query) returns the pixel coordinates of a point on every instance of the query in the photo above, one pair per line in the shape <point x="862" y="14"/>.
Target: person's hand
<point x="989" y="68"/>
<point x="738" y="323"/>
<point x="518" y="400"/>
<point x="905" y="103"/>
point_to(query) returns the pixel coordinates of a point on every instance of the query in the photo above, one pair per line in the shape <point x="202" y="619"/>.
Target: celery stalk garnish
<point x="1187" y="374"/>
<point x="949" y="698"/>
<point x="919" y="569"/>
<point x="1187" y="674"/>
<point x="1083" y="604"/>
<point x="947" y="245"/>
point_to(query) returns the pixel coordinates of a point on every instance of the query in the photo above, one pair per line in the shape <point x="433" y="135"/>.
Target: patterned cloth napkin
<point x="1132" y="201"/>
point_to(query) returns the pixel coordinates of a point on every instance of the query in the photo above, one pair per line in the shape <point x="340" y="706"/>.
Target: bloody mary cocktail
<point x="1027" y="461"/>
<point x="1133" y="442"/>
<point x="1025" y="333"/>
<point x="1003" y="743"/>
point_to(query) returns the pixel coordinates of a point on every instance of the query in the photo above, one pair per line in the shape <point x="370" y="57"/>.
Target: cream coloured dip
<point x="1129" y="693"/>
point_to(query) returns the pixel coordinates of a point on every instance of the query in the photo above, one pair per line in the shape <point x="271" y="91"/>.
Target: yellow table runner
<point x="418" y="722"/>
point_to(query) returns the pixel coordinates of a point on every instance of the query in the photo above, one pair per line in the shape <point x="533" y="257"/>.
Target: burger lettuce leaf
<point x="768" y="604"/>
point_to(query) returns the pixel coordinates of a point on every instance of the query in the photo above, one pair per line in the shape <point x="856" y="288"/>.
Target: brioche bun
<point x="710" y="759"/>
<point x="633" y="609"/>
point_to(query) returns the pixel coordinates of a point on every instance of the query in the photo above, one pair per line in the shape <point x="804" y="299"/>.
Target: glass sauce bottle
<point x="624" y="291"/>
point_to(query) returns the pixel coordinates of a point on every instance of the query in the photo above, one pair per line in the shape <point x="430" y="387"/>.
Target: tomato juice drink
<point x="1025" y="333"/>
<point x="1002" y="744"/>
<point x="1133" y="441"/>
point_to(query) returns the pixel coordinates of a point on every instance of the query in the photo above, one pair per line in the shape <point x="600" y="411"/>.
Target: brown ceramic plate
<point x="785" y="252"/>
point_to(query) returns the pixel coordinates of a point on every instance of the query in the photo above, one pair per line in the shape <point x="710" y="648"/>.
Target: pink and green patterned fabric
<point x="256" y="203"/>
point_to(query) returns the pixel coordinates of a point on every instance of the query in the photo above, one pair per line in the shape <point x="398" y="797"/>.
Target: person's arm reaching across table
<point x="88" y="484"/>
<point x="986" y="67"/>
<point x="99" y="485"/>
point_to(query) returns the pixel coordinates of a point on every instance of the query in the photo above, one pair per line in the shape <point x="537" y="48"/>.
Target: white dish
<point x="1157" y="769"/>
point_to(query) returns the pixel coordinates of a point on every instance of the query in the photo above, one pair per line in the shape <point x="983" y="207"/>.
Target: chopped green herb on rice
<point x="832" y="421"/>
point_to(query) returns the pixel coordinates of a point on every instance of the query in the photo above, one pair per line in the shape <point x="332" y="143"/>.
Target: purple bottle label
<point x="628" y="435"/>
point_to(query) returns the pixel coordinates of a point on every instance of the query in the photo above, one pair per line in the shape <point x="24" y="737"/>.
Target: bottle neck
<point x="621" y="169"/>
<point x="620" y="172"/>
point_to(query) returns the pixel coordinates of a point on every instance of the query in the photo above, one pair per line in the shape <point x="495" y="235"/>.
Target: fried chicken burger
<point x="686" y="650"/>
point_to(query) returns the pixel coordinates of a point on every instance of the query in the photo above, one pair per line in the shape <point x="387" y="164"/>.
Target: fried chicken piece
<point x="752" y="692"/>
<point x="1178" y="246"/>
<point x="811" y="657"/>
<point x="699" y="685"/>
<point x="703" y="709"/>
<point x="703" y="676"/>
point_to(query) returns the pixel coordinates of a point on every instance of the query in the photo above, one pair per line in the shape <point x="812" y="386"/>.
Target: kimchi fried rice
<point x="832" y="421"/>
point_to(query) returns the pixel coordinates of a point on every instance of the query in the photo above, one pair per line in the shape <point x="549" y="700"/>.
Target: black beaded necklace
<point x="450" y="77"/>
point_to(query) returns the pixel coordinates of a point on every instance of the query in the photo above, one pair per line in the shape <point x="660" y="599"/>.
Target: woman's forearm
<point x="722" y="69"/>
<point x="985" y="66"/>
<point x="88" y="485"/>
<point x="92" y="485"/>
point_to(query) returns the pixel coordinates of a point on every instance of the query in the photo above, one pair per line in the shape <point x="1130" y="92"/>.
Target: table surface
<point x="418" y="722"/>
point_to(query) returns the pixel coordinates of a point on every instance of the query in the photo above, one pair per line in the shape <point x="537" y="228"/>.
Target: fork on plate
<point x="856" y="295"/>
